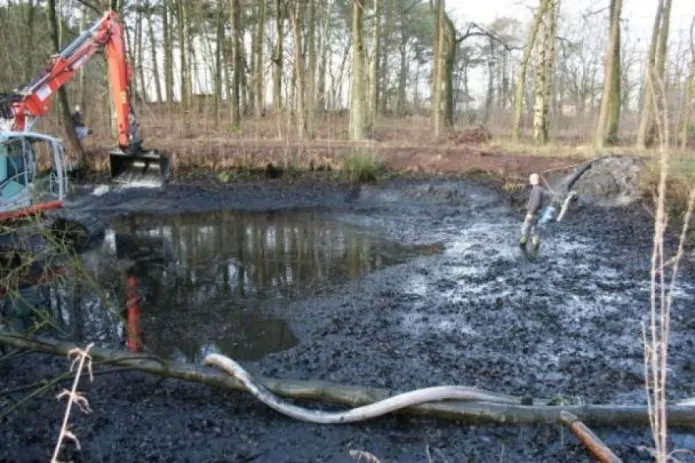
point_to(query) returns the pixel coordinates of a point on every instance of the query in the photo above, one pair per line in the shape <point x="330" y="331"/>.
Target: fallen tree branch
<point x="349" y="395"/>
<point x="597" y="448"/>
<point x="64" y="377"/>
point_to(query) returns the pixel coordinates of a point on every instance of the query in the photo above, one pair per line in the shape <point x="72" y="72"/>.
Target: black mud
<point x="476" y="313"/>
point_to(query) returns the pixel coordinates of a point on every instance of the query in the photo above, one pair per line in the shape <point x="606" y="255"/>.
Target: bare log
<point x="597" y="448"/>
<point x="351" y="395"/>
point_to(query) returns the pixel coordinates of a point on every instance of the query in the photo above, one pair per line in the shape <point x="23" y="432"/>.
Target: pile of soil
<point x="607" y="181"/>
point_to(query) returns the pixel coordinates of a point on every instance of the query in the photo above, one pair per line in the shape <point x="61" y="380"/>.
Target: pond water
<point x="218" y="282"/>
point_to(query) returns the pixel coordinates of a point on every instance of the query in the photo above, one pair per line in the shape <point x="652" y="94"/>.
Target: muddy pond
<point x="201" y="283"/>
<point x="403" y="285"/>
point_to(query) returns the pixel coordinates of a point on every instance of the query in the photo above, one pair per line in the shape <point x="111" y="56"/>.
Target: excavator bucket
<point x="144" y="168"/>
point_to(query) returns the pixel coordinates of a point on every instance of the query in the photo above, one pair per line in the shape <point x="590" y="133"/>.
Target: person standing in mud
<point x="78" y="123"/>
<point x="535" y="205"/>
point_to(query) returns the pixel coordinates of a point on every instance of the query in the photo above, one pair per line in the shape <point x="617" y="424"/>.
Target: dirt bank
<point x="476" y="314"/>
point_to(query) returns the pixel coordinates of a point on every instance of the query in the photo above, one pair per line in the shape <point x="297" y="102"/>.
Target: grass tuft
<point x="681" y="178"/>
<point x="361" y="168"/>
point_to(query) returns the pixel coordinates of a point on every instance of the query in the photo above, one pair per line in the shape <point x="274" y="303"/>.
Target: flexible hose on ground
<point x="571" y="195"/>
<point x="366" y="412"/>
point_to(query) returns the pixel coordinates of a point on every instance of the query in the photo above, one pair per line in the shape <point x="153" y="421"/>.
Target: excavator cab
<point x="22" y="185"/>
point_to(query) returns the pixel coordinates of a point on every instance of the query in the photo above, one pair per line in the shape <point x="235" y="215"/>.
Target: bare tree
<point x="645" y="134"/>
<point x="687" y="104"/>
<point x="235" y="19"/>
<point x="300" y="74"/>
<point x="609" y="117"/>
<point x="523" y="66"/>
<point x="373" y="108"/>
<point x="545" y="59"/>
<point x="259" y="80"/>
<point x="62" y="93"/>
<point x="437" y="69"/>
<point x="278" y="57"/>
<point x="357" y="90"/>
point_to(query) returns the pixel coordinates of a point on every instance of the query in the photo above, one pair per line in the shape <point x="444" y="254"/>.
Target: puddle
<point x="219" y="282"/>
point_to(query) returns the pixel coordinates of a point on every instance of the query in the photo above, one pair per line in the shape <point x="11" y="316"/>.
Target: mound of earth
<point x="607" y="181"/>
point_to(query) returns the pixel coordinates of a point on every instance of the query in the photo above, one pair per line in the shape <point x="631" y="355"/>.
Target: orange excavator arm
<point x="19" y="110"/>
<point x="34" y="99"/>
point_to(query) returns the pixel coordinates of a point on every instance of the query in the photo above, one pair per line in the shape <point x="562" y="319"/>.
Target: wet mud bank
<point x="471" y="311"/>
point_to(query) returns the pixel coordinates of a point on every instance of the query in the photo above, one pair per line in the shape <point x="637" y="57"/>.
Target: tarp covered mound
<point x="607" y="181"/>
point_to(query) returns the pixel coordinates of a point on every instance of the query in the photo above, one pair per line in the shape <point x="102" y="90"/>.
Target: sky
<point x="638" y="14"/>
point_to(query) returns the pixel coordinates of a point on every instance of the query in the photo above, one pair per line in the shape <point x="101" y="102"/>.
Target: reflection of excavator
<point x="141" y="251"/>
<point x="19" y="110"/>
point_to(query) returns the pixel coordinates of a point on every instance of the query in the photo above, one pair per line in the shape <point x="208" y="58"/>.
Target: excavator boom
<point x="20" y="109"/>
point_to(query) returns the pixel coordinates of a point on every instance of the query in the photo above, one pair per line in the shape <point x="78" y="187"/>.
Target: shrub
<point x="361" y="167"/>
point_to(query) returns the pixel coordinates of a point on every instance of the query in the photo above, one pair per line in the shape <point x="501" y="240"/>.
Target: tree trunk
<point x="661" y="60"/>
<point x="401" y="102"/>
<point x="504" y="85"/>
<point x="647" y="115"/>
<point x="448" y="70"/>
<point x="168" y="54"/>
<point x="153" y="57"/>
<point x="183" y="57"/>
<point x="323" y="53"/>
<point x="686" y="109"/>
<point x="259" y="80"/>
<point x="386" y="47"/>
<point x="219" y="43"/>
<point x="278" y="55"/>
<point x="300" y="78"/>
<point x="357" y="90"/>
<point x="437" y="67"/>
<point x="62" y="93"/>
<point x="82" y="86"/>
<point x="519" y="94"/>
<point x="544" y="75"/>
<point x="607" y="126"/>
<point x="540" y="115"/>
<point x="140" y="56"/>
<point x="310" y="74"/>
<point x="29" y="39"/>
<point x="373" y="107"/>
<point x="235" y="19"/>
<point x="490" y="93"/>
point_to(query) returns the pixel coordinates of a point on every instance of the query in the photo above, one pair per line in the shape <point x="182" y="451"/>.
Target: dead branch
<point x="597" y="448"/>
<point x="351" y="395"/>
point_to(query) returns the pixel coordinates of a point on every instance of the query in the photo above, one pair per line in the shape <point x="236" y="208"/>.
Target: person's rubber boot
<point x="535" y="243"/>
<point x="522" y="242"/>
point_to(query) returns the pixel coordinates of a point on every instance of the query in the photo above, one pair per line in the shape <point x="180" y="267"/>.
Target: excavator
<point x="20" y="109"/>
<point x="23" y="193"/>
<point x="32" y="198"/>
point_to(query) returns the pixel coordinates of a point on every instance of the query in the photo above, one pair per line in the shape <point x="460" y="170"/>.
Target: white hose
<point x="366" y="412"/>
<point x="565" y="205"/>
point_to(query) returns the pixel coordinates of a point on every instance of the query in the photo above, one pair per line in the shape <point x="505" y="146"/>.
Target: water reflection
<point x="209" y="282"/>
<point x="194" y="284"/>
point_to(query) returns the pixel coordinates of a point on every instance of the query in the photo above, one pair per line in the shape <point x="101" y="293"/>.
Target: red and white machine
<point x="20" y="109"/>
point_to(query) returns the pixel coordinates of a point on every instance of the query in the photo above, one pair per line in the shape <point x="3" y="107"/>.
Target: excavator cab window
<point x="13" y="172"/>
<point x="15" y="162"/>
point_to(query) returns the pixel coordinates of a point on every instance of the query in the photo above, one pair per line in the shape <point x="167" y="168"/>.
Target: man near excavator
<point x="538" y="198"/>
<point x="78" y="124"/>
